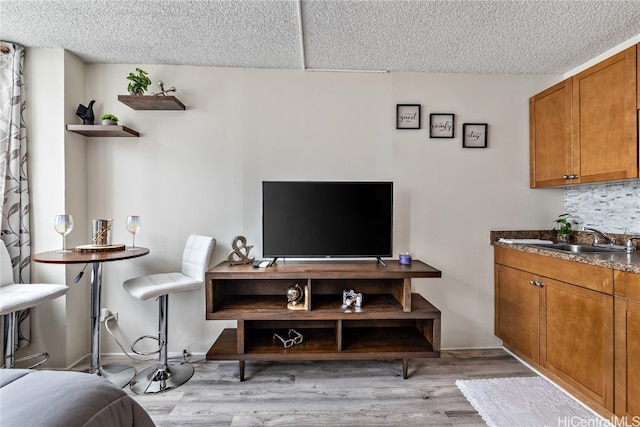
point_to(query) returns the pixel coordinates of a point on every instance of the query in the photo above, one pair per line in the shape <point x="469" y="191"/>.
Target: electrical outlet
<point x="105" y="313"/>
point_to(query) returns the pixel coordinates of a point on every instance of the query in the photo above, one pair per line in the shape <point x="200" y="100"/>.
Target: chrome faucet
<point x="597" y="234"/>
<point x="630" y="246"/>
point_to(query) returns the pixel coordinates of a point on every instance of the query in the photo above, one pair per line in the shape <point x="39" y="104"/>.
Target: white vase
<point x="107" y="122"/>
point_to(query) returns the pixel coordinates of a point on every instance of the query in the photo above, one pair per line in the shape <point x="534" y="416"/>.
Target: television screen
<point x="327" y="219"/>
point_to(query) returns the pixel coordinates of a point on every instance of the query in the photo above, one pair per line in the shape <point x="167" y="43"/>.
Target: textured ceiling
<point x="471" y="36"/>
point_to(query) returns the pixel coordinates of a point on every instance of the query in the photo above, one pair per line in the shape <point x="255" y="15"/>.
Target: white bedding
<point x="59" y="398"/>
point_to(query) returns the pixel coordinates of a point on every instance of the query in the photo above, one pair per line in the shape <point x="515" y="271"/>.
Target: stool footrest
<point x="44" y="355"/>
<point x="145" y="353"/>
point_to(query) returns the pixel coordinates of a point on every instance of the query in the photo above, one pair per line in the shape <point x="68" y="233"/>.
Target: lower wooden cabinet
<point x="517" y="314"/>
<point x="561" y="328"/>
<point x="577" y="339"/>
<point x="627" y="346"/>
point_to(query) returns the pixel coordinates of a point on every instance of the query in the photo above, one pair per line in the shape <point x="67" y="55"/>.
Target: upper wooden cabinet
<point x="550" y="135"/>
<point x="604" y="127"/>
<point x="599" y="108"/>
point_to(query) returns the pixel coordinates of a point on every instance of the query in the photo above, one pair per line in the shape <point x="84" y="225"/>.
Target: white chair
<point x="15" y="297"/>
<point x="166" y="376"/>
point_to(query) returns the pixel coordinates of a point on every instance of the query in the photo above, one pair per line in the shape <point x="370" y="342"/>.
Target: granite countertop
<point x="617" y="260"/>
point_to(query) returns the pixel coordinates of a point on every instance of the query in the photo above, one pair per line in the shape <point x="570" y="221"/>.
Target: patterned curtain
<point x="14" y="191"/>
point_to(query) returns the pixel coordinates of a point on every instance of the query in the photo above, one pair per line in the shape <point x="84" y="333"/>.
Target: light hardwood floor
<point x="331" y="393"/>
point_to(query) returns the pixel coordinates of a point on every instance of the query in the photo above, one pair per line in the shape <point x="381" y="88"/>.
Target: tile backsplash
<point x="613" y="208"/>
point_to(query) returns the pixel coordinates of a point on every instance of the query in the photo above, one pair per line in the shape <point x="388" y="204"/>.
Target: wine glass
<point x="63" y="225"/>
<point x="133" y="225"/>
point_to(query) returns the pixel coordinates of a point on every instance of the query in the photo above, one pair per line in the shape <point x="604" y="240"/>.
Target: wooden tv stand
<point x="392" y="323"/>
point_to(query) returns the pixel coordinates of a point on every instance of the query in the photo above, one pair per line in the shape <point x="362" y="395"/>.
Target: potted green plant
<point x="109" y="119"/>
<point x="139" y="82"/>
<point x="563" y="227"/>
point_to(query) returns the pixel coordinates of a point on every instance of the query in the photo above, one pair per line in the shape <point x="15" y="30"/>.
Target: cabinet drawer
<point x="627" y="285"/>
<point x="584" y="275"/>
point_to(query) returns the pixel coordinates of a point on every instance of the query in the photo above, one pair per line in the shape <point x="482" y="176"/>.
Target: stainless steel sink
<point x="567" y="247"/>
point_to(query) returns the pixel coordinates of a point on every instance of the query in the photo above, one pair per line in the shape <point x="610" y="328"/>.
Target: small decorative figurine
<point x="86" y="113"/>
<point x="164" y="92"/>
<point x="352" y="299"/>
<point x="297" y="299"/>
<point x="240" y="253"/>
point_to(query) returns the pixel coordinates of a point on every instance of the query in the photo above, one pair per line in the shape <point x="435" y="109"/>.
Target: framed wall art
<point x="408" y="116"/>
<point x="474" y="135"/>
<point x="441" y="125"/>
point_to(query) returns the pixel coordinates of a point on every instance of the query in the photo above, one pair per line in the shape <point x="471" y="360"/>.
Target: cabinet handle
<point x="572" y="176"/>
<point x="565" y="176"/>
<point x="536" y="283"/>
<point x="533" y="282"/>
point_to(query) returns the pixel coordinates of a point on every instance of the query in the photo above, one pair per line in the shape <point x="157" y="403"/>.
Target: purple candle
<point x="405" y="258"/>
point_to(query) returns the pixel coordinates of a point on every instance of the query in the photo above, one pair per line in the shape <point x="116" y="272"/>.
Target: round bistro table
<point x="120" y="375"/>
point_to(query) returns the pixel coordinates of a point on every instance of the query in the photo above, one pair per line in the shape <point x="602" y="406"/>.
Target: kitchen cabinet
<point x="558" y="316"/>
<point x="603" y="141"/>
<point x="550" y="136"/>
<point x="627" y="345"/>
<point x="604" y="119"/>
<point x="578" y="340"/>
<point x="518" y="311"/>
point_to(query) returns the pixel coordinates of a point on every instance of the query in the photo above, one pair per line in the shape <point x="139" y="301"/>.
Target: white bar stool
<point x="166" y="376"/>
<point x="20" y="296"/>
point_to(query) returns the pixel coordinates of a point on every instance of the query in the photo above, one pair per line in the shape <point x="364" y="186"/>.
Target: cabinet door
<point x="577" y="340"/>
<point x="604" y="129"/>
<point x="517" y="311"/>
<point x="627" y="348"/>
<point x="550" y="136"/>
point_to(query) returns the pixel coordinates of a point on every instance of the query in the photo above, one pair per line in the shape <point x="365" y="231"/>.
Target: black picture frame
<point x="441" y="125"/>
<point x="407" y="116"/>
<point x="474" y="135"/>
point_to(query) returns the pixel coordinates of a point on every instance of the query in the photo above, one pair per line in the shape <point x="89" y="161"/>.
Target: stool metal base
<point x="160" y="378"/>
<point x="120" y="375"/>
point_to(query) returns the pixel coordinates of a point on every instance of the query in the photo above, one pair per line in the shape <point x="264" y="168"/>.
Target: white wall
<point x="77" y="307"/>
<point x="199" y="171"/>
<point x="457" y="195"/>
<point x="55" y="178"/>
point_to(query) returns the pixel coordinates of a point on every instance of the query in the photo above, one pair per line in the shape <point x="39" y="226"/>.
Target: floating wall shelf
<point x="151" y="102"/>
<point x="103" y="131"/>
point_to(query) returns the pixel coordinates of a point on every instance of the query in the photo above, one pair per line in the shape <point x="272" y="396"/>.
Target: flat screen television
<point x="313" y="219"/>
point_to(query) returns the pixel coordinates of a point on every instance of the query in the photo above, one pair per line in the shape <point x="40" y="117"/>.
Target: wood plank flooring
<point x="329" y="393"/>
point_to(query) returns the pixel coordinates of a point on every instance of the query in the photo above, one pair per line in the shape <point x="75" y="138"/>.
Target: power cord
<point x="106" y="326"/>
<point x="185" y="354"/>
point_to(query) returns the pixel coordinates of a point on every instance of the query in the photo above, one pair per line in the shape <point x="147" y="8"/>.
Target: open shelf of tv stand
<point x="392" y="323"/>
